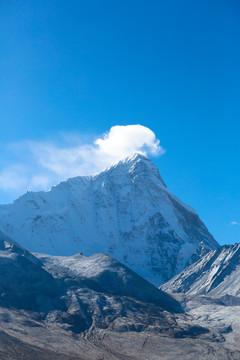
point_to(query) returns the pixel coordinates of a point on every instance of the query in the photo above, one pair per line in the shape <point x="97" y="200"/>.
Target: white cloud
<point x="122" y="141"/>
<point x="234" y="223"/>
<point x="42" y="164"/>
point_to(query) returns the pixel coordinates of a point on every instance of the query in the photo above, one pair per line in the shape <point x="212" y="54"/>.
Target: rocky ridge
<point x="216" y="274"/>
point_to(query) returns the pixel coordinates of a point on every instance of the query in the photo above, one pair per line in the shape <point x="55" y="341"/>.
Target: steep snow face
<point x="125" y="211"/>
<point x="216" y="274"/>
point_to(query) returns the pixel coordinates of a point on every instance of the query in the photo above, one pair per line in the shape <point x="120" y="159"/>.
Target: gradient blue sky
<point x="70" y="70"/>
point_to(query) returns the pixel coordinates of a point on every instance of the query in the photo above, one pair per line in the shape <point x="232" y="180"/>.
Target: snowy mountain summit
<point x="125" y="211"/>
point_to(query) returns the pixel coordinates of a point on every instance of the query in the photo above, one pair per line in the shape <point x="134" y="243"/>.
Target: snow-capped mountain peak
<point x="136" y="164"/>
<point x="125" y="211"/>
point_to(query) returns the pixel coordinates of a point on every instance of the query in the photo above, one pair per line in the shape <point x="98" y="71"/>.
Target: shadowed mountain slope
<point x="92" y="308"/>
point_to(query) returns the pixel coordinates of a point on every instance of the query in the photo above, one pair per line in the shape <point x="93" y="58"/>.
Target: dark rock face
<point x="24" y="283"/>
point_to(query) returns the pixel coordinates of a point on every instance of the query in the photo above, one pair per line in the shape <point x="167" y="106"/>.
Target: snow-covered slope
<point x="216" y="274"/>
<point x="125" y="211"/>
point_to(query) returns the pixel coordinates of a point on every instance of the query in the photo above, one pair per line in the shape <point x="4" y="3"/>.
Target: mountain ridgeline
<point x="126" y="211"/>
<point x="216" y="274"/>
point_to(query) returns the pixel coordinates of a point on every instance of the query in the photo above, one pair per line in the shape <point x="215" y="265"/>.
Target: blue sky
<point x="72" y="70"/>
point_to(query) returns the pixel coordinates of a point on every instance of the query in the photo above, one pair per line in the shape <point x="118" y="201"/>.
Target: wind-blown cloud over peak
<point x="122" y="141"/>
<point x="49" y="162"/>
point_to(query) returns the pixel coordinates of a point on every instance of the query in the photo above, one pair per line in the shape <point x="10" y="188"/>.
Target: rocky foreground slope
<point x="94" y="308"/>
<point x="125" y="211"/>
<point x="209" y="291"/>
